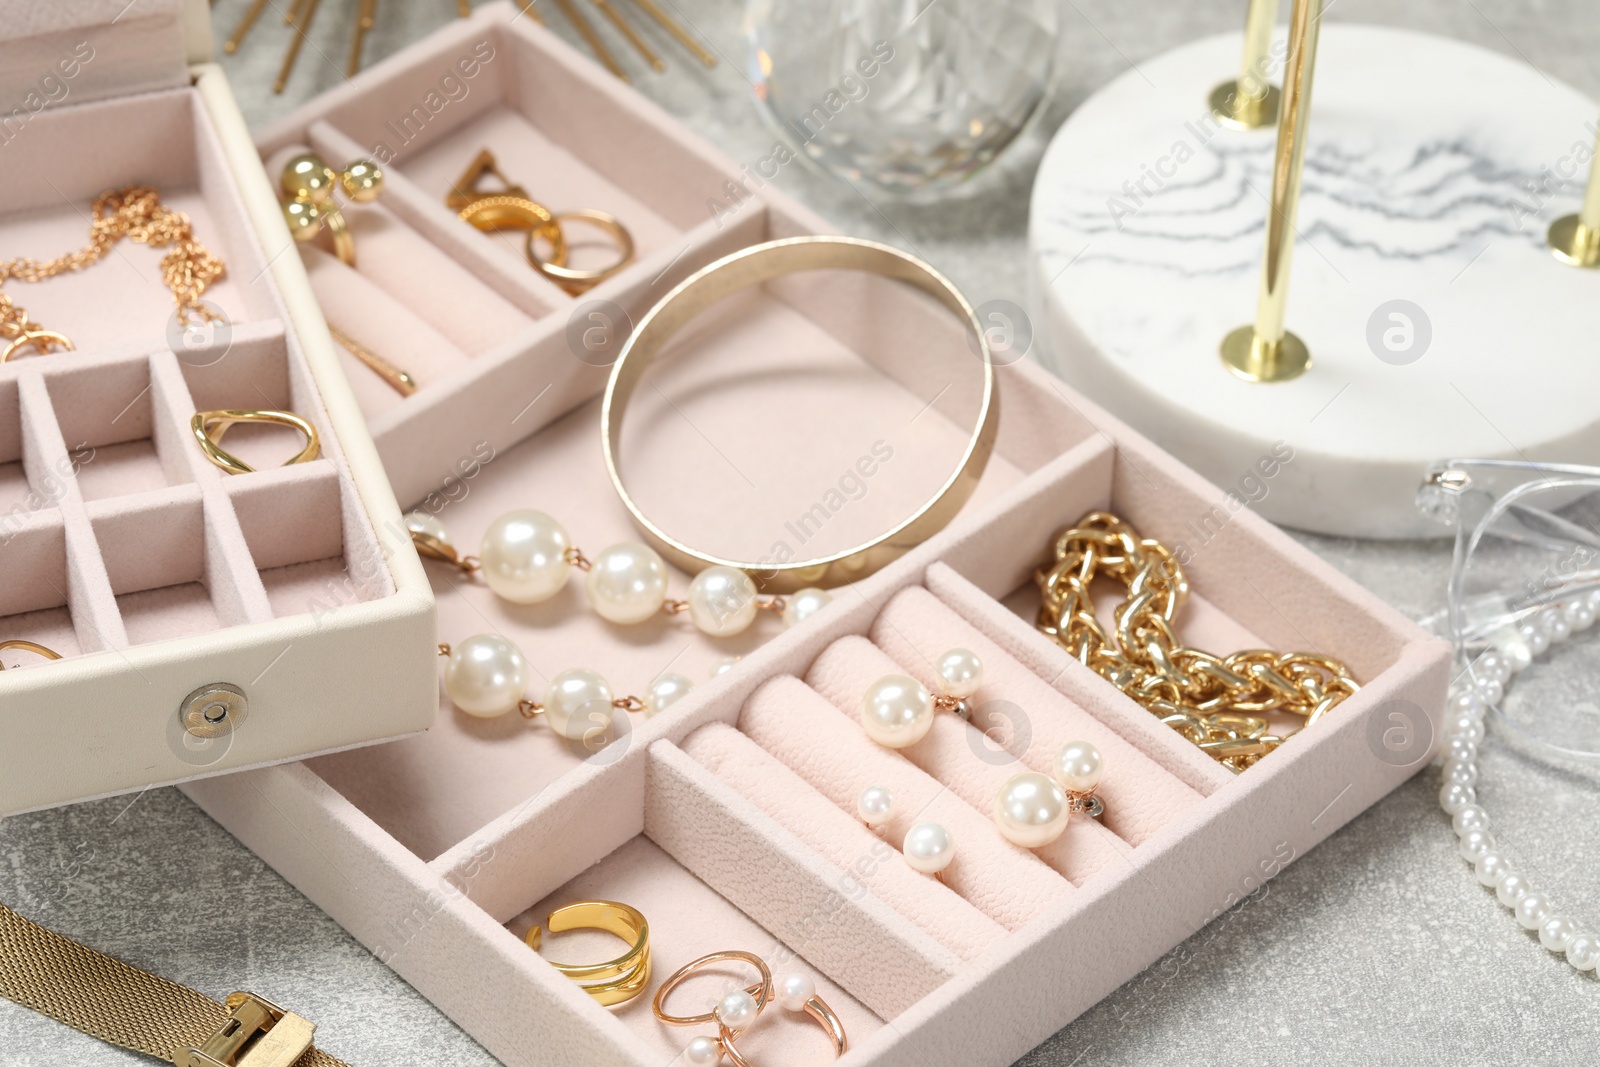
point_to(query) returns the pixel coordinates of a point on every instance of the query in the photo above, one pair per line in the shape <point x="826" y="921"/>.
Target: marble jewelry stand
<point x="1438" y="321"/>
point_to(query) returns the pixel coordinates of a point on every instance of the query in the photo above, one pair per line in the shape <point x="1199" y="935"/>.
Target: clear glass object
<point x="905" y="96"/>
<point x="1527" y="557"/>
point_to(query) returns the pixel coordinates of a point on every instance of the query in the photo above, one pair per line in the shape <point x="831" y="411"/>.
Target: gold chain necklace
<point x="1216" y="702"/>
<point x="137" y="214"/>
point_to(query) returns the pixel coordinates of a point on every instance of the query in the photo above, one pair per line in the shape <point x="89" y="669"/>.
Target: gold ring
<point x="309" y="184"/>
<point x="28" y="646"/>
<point x="572" y="279"/>
<point x="815" y="1007"/>
<point x="615" y="981"/>
<point x="762" y="991"/>
<point x="752" y="266"/>
<point x="506" y="211"/>
<point x="210" y="426"/>
<point x="41" y="341"/>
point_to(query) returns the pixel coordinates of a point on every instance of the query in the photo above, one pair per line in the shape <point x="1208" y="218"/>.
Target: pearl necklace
<point x="1483" y="684"/>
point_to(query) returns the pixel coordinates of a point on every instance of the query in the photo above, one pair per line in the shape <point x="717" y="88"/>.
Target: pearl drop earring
<point x="1032" y="809"/>
<point x="928" y="846"/>
<point x="526" y="557"/>
<point x="897" y="711"/>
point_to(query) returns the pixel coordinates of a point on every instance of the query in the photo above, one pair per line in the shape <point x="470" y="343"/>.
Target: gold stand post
<point x="1266" y="352"/>
<point x="1250" y="101"/>
<point x="1575" y="239"/>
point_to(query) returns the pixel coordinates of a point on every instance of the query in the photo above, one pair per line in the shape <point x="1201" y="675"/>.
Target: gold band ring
<point x="615" y="981"/>
<point x="752" y="266"/>
<point x="762" y="991"/>
<point x="572" y="279"/>
<point x="510" y="212"/>
<point x="210" y="426"/>
<point x="815" y="1007"/>
<point x="28" y="646"/>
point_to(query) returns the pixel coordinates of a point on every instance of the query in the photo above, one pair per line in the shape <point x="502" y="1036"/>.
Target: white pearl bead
<point x="1534" y="637"/>
<point x="1475" y="844"/>
<point x="960" y="672"/>
<point x="1490" y="690"/>
<point x="578" y="704"/>
<point x="1579" y="615"/>
<point x="1583" y="952"/>
<point x="1468" y="819"/>
<point x="804" y="603"/>
<point x="723" y="666"/>
<point x="1464" y="702"/>
<point x="875" y="805"/>
<point x="1453" y="797"/>
<point x="702" y="1052"/>
<point x="1532" y="910"/>
<point x="485" y="675"/>
<point x="1079" y="767"/>
<point x="1556" y="932"/>
<point x="1490" y="868"/>
<point x="1517" y="655"/>
<point x="664" y="692"/>
<point x="737" y="1011"/>
<point x="1491" y="665"/>
<point x="423" y="523"/>
<point x="524" y="556"/>
<point x="1031" y="810"/>
<point x="1465" y="726"/>
<point x="928" y="847"/>
<point x="794" y="990"/>
<point x="1461" y="750"/>
<point x="1511" y="889"/>
<point x="1556" y="625"/>
<point x="627" y="583"/>
<point x="1462" y="773"/>
<point x="722" y="601"/>
<point x="1593" y="600"/>
<point x="896" y="711"/>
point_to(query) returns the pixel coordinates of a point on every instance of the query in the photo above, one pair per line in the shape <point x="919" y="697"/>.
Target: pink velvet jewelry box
<point x="147" y="568"/>
<point x="729" y="818"/>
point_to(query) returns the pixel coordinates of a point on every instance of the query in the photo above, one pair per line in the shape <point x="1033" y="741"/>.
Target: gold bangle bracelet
<point x="614" y="981"/>
<point x="752" y="266"/>
<point x="210" y="426"/>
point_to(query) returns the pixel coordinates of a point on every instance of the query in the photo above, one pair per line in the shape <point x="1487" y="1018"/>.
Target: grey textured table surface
<point x="1376" y="946"/>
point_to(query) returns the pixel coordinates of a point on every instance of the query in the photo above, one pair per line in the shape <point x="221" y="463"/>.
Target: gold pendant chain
<point x="1217" y="702"/>
<point x="136" y="213"/>
<point x="122" y="1005"/>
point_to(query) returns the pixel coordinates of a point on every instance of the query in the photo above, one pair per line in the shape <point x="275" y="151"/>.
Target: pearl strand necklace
<point x="1485" y="684"/>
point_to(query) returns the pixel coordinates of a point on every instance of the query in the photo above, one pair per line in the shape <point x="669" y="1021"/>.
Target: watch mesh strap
<point x="107" y="998"/>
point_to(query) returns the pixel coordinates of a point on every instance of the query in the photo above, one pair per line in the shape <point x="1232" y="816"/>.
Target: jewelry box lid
<point x="55" y="54"/>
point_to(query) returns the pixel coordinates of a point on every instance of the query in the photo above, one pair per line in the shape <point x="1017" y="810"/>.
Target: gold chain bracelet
<point x="136" y="213"/>
<point x="1218" y="702"/>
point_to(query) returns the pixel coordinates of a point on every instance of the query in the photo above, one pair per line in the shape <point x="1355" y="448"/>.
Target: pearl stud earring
<point x="875" y="806"/>
<point x="897" y="711"/>
<point x="1032" y="809"/>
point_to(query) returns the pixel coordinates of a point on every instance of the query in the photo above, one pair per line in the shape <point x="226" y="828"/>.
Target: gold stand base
<point x="1573" y="243"/>
<point x="1256" y="360"/>
<point x="1240" y="112"/>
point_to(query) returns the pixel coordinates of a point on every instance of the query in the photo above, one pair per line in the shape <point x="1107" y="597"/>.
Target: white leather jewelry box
<point x="206" y="622"/>
<point x="728" y="819"/>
